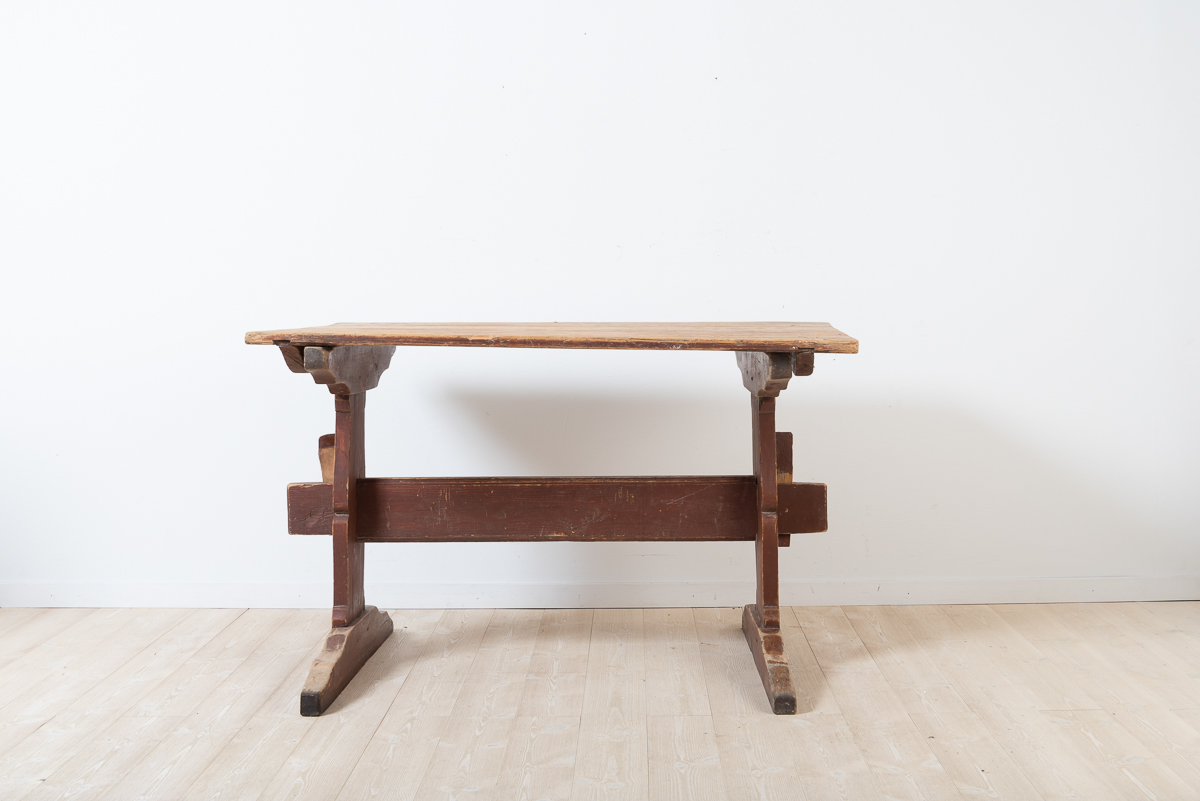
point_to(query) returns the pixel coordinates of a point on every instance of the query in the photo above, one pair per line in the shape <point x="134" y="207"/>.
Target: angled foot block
<point x="346" y="650"/>
<point x="767" y="647"/>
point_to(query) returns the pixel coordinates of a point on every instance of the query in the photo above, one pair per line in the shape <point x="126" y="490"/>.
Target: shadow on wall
<point x="914" y="492"/>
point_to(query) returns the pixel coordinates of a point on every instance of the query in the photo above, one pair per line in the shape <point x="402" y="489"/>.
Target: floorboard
<point x="1044" y="702"/>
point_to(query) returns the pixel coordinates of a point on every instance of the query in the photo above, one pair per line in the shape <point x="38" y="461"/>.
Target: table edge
<point x="842" y="344"/>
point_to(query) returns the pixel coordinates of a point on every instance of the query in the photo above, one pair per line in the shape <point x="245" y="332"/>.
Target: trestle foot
<point x="347" y="649"/>
<point x="769" y="656"/>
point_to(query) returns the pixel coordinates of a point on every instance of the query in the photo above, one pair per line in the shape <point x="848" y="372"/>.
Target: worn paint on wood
<point x="751" y="336"/>
<point x="557" y="509"/>
<point x="767" y="507"/>
<point x="346" y="650"/>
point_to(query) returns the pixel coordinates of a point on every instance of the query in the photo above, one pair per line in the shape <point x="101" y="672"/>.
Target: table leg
<point x="760" y="620"/>
<point x="358" y="629"/>
<point x="766" y="375"/>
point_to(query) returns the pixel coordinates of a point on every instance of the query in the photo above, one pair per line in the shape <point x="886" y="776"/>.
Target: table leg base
<point x="769" y="656"/>
<point x="346" y="650"/>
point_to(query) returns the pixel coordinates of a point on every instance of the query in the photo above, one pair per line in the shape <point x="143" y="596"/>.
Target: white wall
<point x="999" y="201"/>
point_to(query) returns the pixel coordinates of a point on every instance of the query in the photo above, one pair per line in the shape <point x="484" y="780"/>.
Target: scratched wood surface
<point x="766" y="337"/>
<point x="557" y="509"/>
<point x="1035" y="701"/>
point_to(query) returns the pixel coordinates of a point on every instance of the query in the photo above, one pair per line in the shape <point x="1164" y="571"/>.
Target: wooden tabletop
<point x="767" y="337"/>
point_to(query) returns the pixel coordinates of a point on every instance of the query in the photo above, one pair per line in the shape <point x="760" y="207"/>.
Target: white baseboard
<point x="463" y="596"/>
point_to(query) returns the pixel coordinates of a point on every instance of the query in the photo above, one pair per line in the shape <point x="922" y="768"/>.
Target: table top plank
<point x="775" y="337"/>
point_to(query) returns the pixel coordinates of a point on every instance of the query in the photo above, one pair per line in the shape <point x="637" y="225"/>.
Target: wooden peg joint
<point x="325" y="453"/>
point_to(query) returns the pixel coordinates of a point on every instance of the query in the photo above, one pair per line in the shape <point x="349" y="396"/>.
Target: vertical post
<point x="358" y="630"/>
<point x="349" y="465"/>
<point x="766" y="545"/>
<point x="766" y="375"/>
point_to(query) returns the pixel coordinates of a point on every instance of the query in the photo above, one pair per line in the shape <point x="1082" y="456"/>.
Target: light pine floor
<point x="1050" y="701"/>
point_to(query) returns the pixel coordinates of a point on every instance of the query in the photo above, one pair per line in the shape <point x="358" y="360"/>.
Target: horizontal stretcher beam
<point x="686" y="508"/>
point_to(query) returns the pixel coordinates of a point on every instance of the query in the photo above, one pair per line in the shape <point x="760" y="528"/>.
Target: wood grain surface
<point x="346" y="650"/>
<point x="916" y="702"/>
<point x="779" y="337"/>
<point x="687" y="508"/>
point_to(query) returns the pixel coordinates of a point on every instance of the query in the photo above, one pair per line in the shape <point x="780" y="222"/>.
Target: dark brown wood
<point x="293" y="357"/>
<point x="766" y="545"/>
<point x="769" y="337"/>
<point x="349" y="465"/>
<point x="764" y="375"/>
<point x="686" y="508"/>
<point x="767" y="647"/>
<point x="783" y="457"/>
<point x="803" y="509"/>
<point x="325" y="453"/>
<point x="783" y="475"/>
<point x="802" y="362"/>
<point x="347" y="649"/>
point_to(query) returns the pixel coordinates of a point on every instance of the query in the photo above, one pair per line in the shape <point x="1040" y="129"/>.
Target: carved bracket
<point x="767" y="374"/>
<point x="345" y="369"/>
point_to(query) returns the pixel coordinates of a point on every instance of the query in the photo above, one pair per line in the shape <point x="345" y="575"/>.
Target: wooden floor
<point x="1052" y="701"/>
